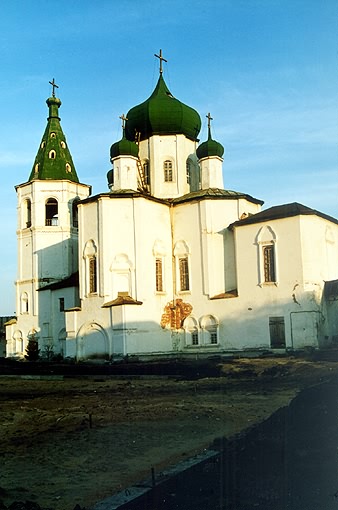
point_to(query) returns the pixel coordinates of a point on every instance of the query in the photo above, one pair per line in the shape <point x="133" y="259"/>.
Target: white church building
<point x="166" y="262"/>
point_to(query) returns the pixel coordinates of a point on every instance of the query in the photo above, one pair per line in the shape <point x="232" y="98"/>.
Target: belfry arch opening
<point x="52" y="212"/>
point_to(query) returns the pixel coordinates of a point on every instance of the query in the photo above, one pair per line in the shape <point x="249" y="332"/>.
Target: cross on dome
<point x="54" y="86"/>
<point x="124" y="119"/>
<point x="161" y="59"/>
<point x="209" y="120"/>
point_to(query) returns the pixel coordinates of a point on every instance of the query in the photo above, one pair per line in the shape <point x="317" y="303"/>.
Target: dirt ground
<point x="78" y="440"/>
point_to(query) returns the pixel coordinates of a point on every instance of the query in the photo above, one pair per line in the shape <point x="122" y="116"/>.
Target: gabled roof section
<point x="215" y="194"/>
<point x="53" y="160"/>
<point x="282" y="211"/>
<point x="122" y="300"/>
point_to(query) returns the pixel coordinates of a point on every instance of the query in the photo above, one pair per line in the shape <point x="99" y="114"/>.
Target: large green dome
<point x="162" y="114"/>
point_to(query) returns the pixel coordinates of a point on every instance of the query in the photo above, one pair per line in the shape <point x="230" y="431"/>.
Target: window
<point x="51" y="212"/>
<point x="36" y="168"/>
<point x="210" y="326"/>
<point x="63" y="144"/>
<point x="190" y="325"/>
<point x="159" y="275"/>
<point x="213" y="337"/>
<point x="62" y="304"/>
<point x="24" y="302"/>
<point x="146" y="173"/>
<point x="194" y="338"/>
<point x="168" y="170"/>
<point x="184" y="273"/>
<point x="267" y="252"/>
<point x="90" y="267"/>
<point x="52" y="154"/>
<point x="182" y="262"/>
<point x="68" y="168"/>
<point x="53" y="135"/>
<point x="43" y="144"/>
<point x="188" y="172"/>
<point x="28" y="213"/>
<point x="92" y="275"/>
<point x="269" y="263"/>
<point x="75" y="213"/>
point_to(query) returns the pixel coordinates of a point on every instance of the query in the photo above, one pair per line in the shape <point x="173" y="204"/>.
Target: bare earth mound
<point x="78" y="440"/>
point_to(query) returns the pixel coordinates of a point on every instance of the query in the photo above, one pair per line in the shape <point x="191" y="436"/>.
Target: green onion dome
<point x="162" y="114"/>
<point x="209" y="148"/>
<point x="123" y="148"/>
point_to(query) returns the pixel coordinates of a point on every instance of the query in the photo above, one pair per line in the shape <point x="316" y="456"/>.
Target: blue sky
<point x="265" y="69"/>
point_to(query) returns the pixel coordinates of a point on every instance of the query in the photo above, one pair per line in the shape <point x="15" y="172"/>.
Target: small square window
<point x="213" y="337"/>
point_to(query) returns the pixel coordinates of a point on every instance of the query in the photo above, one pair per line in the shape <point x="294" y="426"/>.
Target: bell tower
<point x="47" y="229"/>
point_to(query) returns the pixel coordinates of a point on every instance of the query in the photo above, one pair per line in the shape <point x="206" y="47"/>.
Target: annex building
<point x="167" y="261"/>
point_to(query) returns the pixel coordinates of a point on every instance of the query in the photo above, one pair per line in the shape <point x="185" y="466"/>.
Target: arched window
<point x="27" y="213"/>
<point x="75" y="217"/>
<point x="24" y="303"/>
<point x="209" y="324"/>
<point x="63" y="144"/>
<point x="90" y="257"/>
<point x="68" y="168"/>
<point x="18" y="342"/>
<point x="191" y="328"/>
<point x="53" y="135"/>
<point x="51" y="212"/>
<point x="266" y="241"/>
<point x="168" y="170"/>
<point x="52" y="154"/>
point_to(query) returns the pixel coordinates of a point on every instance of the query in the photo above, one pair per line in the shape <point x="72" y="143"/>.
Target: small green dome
<point x="162" y="114"/>
<point x="123" y="147"/>
<point x="110" y="177"/>
<point x="209" y="148"/>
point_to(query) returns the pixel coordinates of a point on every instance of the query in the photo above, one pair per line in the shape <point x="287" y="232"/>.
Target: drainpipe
<point x="173" y="261"/>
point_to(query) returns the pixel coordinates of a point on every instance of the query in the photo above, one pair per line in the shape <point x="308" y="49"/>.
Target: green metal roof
<point x="53" y="160"/>
<point x="215" y="194"/>
<point x="162" y="114"/>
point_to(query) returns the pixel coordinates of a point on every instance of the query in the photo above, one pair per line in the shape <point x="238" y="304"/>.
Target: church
<point x="166" y="262"/>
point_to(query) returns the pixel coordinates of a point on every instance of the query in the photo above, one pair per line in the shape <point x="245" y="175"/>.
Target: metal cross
<point x="124" y="119"/>
<point x="209" y="120"/>
<point x="161" y="59"/>
<point x="53" y="84"/>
